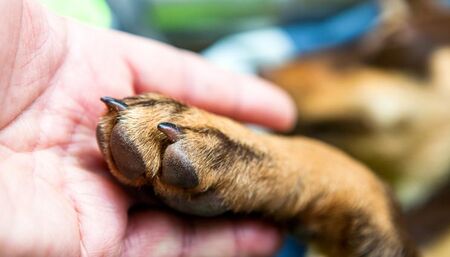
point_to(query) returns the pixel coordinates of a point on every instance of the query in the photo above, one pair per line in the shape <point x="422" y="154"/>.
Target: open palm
<point x="56" y="195"/>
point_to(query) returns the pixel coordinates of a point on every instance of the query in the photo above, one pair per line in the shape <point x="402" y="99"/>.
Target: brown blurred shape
<point x="386" y="101"/>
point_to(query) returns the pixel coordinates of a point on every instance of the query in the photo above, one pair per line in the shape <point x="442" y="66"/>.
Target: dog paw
<point x="184" y="153"/>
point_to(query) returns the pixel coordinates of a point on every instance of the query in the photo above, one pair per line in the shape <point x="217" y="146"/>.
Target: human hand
<point x="56" y="193"/>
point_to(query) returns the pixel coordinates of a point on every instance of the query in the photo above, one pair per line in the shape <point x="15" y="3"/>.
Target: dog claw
<point x="114" y="103"/>
<point x="170" y="130"/>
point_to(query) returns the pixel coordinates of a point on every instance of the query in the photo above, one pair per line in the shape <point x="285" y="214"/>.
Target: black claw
<point x="114" y="103"/>
<point x="171" y="130"/>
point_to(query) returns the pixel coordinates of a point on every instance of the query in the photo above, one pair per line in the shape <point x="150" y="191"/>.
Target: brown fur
<point x="316" y="189"/>
<point x="396" y="123"/>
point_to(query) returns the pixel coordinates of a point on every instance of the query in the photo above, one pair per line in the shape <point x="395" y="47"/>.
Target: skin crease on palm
<point x="56" y="195"/>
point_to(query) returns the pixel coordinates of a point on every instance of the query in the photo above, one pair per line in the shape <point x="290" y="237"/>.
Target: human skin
<point x="56" y="196"/>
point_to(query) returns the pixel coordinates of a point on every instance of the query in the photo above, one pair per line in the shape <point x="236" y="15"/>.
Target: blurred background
<point x="370" y="77"/>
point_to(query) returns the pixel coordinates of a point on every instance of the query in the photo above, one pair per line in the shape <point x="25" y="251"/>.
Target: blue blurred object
<point x="445" y="2"/>
<point x="194" y="24"/>
<point x="292" y="248"/>
<point x="248" y="35"/>
<point x="334" y="31"/>
<point x="249" y="51"/>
